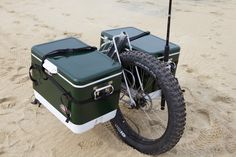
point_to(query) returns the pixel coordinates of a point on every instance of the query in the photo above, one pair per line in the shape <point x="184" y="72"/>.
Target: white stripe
<point x="36" y="57"/>
<point x="89" y="84"/>
<point x="73" y="127"/>
<point x="86" y="85"/>
<point x="154" y="95"/>
<point x="172" y="54"/>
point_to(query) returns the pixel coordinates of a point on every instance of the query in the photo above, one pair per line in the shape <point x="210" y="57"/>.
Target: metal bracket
<point x="132" y="102"/>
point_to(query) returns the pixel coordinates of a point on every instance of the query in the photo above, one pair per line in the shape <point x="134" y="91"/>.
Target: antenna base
<point x="166" y="53"/>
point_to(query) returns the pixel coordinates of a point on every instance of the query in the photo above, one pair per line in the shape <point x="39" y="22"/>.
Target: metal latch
<point x="103" y="92"/>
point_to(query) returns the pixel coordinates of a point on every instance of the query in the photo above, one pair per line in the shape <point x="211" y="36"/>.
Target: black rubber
<point x="175" y="104"/>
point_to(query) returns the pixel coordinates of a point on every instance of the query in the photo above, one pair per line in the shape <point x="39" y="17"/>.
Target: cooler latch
<point x="103" y="92"/>
<point x="50" y="67"/>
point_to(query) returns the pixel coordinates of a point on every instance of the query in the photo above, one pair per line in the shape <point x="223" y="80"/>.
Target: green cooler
<point x="80" y="86"/>
<point x="149" y="43"/>
<point x="146" y="43"/>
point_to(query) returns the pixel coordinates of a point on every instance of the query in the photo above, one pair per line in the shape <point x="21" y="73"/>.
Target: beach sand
<point x="205" y="30"/>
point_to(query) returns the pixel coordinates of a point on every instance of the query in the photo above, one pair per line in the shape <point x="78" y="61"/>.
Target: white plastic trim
<point x="154" y="95"/>
<point x="172" y="54"/>
<point x="50" y="67"/>
<point x="73" y="127"/>
<point x="86" y="85"/>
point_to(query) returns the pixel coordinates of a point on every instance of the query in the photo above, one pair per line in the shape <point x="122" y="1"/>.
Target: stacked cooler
<point x="149" y="43"/>
<point x="81" y="88"/>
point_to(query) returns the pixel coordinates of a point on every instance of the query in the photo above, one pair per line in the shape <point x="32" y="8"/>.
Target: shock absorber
<point x="167" y="48"/>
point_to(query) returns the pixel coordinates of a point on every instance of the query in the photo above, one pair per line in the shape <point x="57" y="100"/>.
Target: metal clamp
<point x="103" y="92"/>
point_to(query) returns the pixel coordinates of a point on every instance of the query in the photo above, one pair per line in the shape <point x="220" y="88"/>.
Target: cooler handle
<point x="103" y="92"/>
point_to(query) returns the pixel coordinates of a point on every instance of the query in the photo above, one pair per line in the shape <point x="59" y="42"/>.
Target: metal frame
<point x="118" y="57"/>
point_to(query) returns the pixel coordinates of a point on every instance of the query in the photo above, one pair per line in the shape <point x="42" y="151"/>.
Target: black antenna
<point x="167" y="47"/>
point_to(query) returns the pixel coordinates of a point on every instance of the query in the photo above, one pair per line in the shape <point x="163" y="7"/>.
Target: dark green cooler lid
<point x="149" y="43"/>
<point x="79" y="68"/>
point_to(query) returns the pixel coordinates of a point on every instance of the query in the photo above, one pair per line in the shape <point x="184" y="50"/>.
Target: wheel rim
<point x="147" y="119"/>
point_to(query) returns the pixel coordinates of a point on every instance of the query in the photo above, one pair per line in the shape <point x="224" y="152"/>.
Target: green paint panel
<point x="79" y="67"/>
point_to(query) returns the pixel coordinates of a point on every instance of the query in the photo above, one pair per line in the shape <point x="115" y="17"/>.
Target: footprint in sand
<point x="21" y="76"/>
<point x="90" y="143"/>
<point x="114" y="26"/>
<point x="5" y="71"/>
<point x="13" y="51"/>
<point x="203" y="78"/>
<point x="1" y="152"/>
<point x="203" y="118"/>
<point x="123" y="1"/>
<point x="109" y="127"/>
<point x="72" y="34"/>
<point x="20" y="67"/>
<point x="7" y="102"/>
<point x="35" y="19"/>
<point x="230" y="145"/>
<point x="108" y="133"/>
<point x="187" y="68"/>
<point x="223" y="55"/>
<point x="224" y="99"/>
<point x="217" y="34"/>
<point x="11" y="11"/>
<point x="47" y="27"/>
<point x="216" y="13"/>
<point x="16" y="22"/>
<point x="208" y="137"/>
<point x="65" y="14"/>
<point x="178" y="10"/>
<point x="39" y="26"/>
<point x="149" y="3"/>
<point x="218" y="43"/>
<point x="50" y="36"/>
<point x="187" y="11"/>
<point x="205" y="55"/>
<point x="90" y="18"/>
<point x="3" y="136"/>
<point x="5" y="68"/>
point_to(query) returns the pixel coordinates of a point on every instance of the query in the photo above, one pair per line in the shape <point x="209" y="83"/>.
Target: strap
<point x="139" y="36"/>
<point x="60" y="52"/>
<point x="30" y="75"/>
<point x="65" y="94"/>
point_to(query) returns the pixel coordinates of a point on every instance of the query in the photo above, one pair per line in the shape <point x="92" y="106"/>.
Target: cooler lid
<point x="79" y="68"/>
<point x="149" y="43"/>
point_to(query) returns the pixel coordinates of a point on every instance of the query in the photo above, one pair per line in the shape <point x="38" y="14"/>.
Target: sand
<point x="207" y="71"/>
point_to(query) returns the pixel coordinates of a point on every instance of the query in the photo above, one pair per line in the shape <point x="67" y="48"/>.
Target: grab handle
<point x="103" y="92"/>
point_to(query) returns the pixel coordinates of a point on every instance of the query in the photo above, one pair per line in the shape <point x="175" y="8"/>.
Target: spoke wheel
<point x="145" y="126"/>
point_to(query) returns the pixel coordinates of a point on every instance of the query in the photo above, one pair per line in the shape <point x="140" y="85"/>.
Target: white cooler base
<point x="73" y="127"/>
